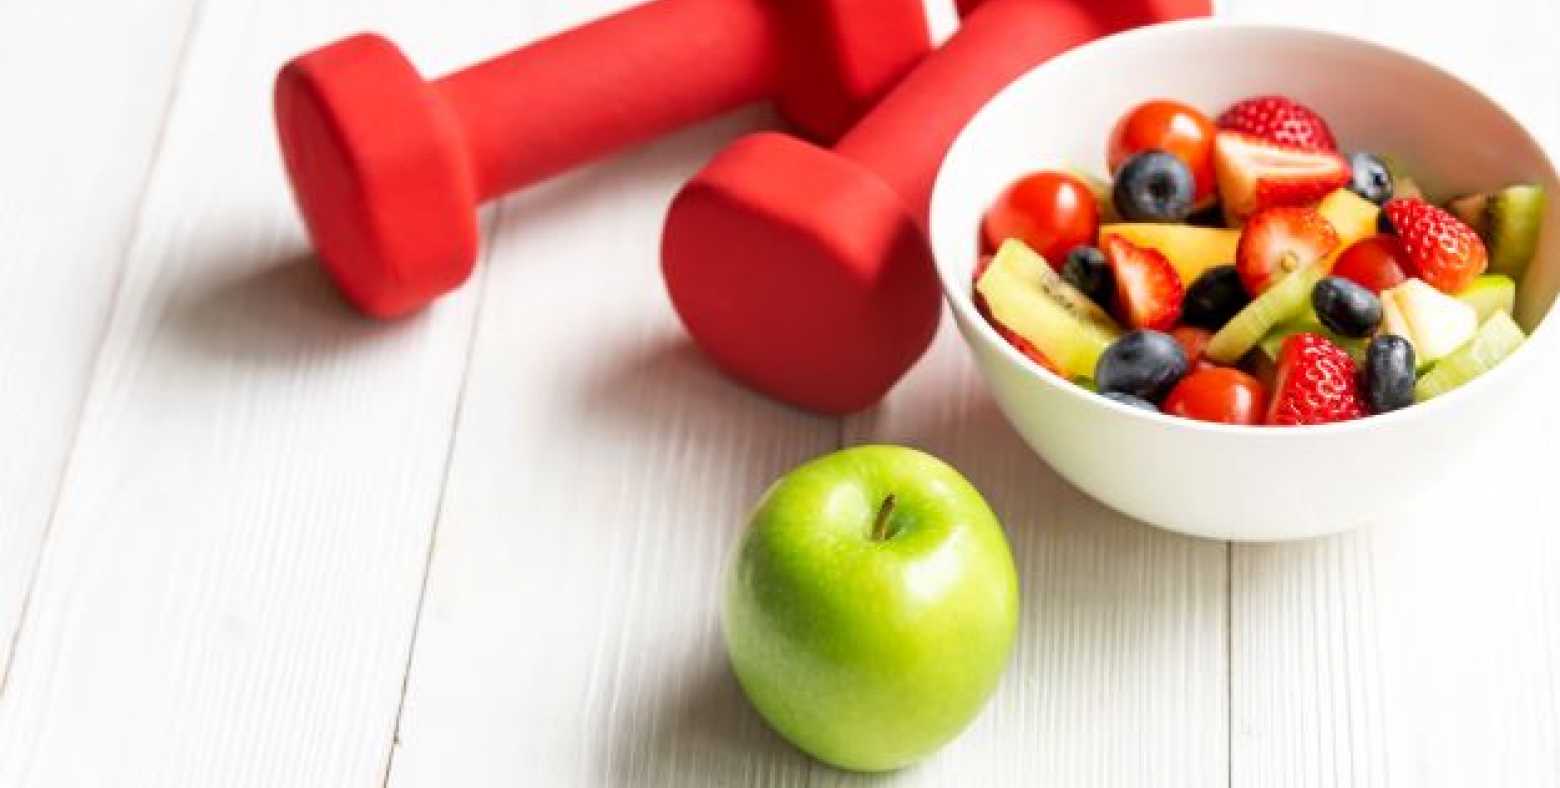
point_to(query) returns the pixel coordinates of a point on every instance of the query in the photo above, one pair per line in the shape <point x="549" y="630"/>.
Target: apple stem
<point x="880" y="527"/>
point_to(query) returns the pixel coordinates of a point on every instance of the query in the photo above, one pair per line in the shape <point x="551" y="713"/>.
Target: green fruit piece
<point x="1509" y="221"/>
<point x="1489" y="294"/>
<point x="1282" y="302"/>
<point x="1308" y="323"/>
<point x="871" y="606"/>
<point x="1494" y="341"/>
<point x="1516" y="215"/>
<point x="1031" y="300"/>
<point x="1433" y="322"/>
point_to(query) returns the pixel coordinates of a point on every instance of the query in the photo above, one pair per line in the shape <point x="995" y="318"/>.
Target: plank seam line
<point x="485" y="264"/>
<point x="159" y="149"/>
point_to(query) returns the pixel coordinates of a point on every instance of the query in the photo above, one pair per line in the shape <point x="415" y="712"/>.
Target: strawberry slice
<point x="1441" y="249"/>
<point x="1281" y="240"/>
<point x="1315" y="384"/>
<point x="1255" y="173"/>
<point x="1279" y="119"/>
<point x="1148" y="290"/>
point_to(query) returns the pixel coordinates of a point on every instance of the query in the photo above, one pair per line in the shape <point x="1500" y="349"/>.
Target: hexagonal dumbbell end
<point x="388" y="168"/>
<point x="806" y="273"/>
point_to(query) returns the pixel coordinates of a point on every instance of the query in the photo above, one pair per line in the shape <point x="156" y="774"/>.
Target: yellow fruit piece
<point x="1352" y="216"/>
<point x="1191" y="250"/>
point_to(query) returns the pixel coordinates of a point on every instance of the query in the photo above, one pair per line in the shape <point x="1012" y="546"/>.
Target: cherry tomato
<point x="1172" y="127"/>
<point x="1219" y="394"/>
<point x="1050" y="211"/>
<point x="1194" y="341"/>
<point x="1377" y="263"/>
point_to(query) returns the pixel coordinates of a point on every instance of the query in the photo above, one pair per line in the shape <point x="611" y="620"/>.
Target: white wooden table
<point x="247" y="539"/>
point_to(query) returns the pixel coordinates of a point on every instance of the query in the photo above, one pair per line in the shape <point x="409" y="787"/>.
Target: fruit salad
<point x="1243" y="269"/>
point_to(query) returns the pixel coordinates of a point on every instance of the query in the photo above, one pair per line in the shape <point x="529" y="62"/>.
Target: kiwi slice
<point x="1282" y="302"/>
<point x="1031" y="300"/>
<point x="1508" y="220"/>
<point x="1308" y="323"/>
<point x="1489" y="294"/>
<point x="1494" y="341"/>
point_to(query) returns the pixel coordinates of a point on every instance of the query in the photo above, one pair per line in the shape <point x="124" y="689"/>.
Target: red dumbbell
<point x="806" y="273"/>
<point x="388" y="168"/>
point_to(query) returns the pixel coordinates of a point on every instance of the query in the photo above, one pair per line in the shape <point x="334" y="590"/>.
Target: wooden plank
<point x="1120" y="672"/>
<point x="584" y="648"/>
<point x="569" y="634"/>
<point x="86" y="106"/>
<point x="1421" y="652"/>
<point x="229" y="588"/>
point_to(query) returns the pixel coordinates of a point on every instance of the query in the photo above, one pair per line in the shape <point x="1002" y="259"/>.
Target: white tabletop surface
<point x="249" y="539"/>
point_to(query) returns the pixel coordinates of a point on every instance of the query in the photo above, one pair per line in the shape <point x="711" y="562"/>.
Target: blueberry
<point x="1128" y="399"/>
<point x="1389" y="373"/>
<point x="1154" y="186"/>
<point x="1145" y="364"/>
<point x="1087" y="270"/>
<point x="1371" y="178"/>
<point x="1346" y="307"/>
<point x="1214" y="298"/>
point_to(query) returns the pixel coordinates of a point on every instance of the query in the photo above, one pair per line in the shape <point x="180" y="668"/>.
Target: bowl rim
<point x="957" y="291"/>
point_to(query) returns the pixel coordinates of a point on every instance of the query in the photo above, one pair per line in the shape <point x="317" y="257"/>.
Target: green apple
<point x="871" y="607"/>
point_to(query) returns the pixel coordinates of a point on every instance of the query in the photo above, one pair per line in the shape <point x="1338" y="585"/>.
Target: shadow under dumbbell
<point x="270" y="312"/>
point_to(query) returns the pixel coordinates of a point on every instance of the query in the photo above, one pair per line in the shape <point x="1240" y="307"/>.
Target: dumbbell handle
<point x="904" y="138"/>
<point x="543" y="108"/>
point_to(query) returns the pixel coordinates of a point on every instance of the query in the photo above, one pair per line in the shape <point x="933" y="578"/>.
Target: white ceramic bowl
<point x="1228" y="482"/>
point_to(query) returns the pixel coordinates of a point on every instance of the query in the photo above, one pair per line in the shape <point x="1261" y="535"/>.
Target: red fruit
<point x="1279" y="119"/>
<point x="1254" y="174"/>
<point x="1050" y="211"/>
<point x="1441" y="249"/>
<point x="1148" y="290"/>
<point x="1278" y="241"/>
<point x="1315" y="384"/>
<point x="1174" y="128"/>
<point x="1194" y="341"/>
<point x="1219" y="394"/>
<point x="1377" y="262"/>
